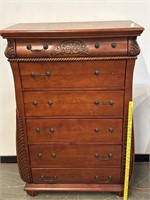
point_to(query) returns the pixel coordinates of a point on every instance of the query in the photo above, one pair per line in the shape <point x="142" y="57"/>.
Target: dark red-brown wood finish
<point x="73" y="83"/>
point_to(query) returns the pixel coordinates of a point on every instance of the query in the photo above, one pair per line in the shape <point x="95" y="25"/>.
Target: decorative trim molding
<point x="142" y="157"/>
<point x="8" y="159"/>
<point x="10" y="51"/>
<point x="71" y="47"/>
<point x="134" y="48"/>
<point x="21" y="152"/>
<point x="69" y="59"/>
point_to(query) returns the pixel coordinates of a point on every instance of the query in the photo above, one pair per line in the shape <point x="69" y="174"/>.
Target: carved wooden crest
<point x="10" y="49"/>
<point x="134" y="48"/>
<point x="71" y="47"/>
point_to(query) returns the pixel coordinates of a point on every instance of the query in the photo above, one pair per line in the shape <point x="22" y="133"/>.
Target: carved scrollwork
<point x="21" y="152"/>
<point x="10" y="49"/>
<point x="71" y="47"/>
<point x="134" y="48"/>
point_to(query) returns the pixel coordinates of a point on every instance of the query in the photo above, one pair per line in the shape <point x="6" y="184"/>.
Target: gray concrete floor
<point x="11" y="187"/>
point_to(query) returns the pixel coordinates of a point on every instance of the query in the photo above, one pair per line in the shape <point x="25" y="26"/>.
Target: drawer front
<point x="78" y="103"/>
<point x="66" y="176"/>
<point x="75" y="155"/>
<point x="74" y="130"/>
<point x="73" y="74"/>
<point x="71" y="47"/>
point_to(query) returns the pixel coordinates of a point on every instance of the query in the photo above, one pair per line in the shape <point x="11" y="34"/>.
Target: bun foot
<point x="120" y="194"/>
<point x="32" y="193"/>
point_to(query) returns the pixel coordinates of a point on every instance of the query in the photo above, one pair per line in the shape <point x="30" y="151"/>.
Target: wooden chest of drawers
<point x="73" y="83"/>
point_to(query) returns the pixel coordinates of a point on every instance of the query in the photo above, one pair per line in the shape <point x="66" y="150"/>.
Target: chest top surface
<point x="78" y="29"/>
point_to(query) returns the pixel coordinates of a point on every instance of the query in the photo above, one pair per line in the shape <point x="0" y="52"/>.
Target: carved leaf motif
<point x="134" y="48"/>
<point x="21" y="152"/>
<point x="71" y="47"/>
<point x="10" y="49"/>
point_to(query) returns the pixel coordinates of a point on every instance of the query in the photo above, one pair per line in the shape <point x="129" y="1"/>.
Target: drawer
<point x="72" y="175"/>
<point x="74" y="130"/>
<point x="77" y="103"/>
<point x="63" y="155"/>
<point x="73" y="74"/>
<point x="70" y="47"/>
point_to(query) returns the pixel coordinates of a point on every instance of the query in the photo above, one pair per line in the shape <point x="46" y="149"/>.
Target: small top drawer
<point x="71" y="47"/>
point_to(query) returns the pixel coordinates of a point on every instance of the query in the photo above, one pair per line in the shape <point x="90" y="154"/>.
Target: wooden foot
<point x="120" y="194"/>
<point x="32" y="193"/>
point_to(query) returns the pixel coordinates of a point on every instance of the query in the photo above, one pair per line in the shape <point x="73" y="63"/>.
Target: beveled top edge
<point x="123" y="27"/>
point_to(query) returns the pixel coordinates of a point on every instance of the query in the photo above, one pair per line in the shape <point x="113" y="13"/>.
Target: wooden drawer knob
<point x="50" y="102"/>
<point x="40" y="155"/>
<point x="97" y="45"/>
<point x="35" y="103"/>
<point x="96" y="102"/>
<point x="96" y="130"/>
<point x="52" y="130"/>
<point x="97" y="72"/>
<point x="38" y="130"/>
<point x="113" y="45"/>
<point x="53" y="155"/>
<point x="111" y="129"/>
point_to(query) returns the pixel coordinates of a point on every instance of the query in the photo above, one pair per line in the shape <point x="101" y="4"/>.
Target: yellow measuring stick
<point x="128" y="151"/>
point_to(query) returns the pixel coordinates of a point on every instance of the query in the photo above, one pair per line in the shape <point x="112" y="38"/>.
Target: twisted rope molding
<point x="68" y="59"/>
<point x="21" y="151"/>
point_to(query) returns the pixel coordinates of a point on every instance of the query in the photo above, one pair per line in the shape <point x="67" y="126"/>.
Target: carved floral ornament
<point x="71" y="47"/>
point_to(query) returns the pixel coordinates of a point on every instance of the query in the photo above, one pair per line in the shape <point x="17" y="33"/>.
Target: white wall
<point x="19" y="11"/>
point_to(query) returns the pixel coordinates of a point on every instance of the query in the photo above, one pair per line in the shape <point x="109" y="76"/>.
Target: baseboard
<point x="142" y="157"/>
<point x="8" y="159"/>
<point x="13" y="159"/>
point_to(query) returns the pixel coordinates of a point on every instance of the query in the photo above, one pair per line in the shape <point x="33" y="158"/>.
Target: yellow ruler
<point x="128" y="150"/>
